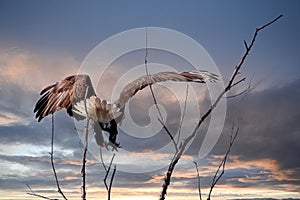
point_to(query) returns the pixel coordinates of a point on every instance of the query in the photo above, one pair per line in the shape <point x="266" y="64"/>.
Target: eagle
<point x="76" y="94"/>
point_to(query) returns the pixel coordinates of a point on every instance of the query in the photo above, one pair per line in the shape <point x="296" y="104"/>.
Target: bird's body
<point x="97" y="109"/>
<point x="76" y="94"/>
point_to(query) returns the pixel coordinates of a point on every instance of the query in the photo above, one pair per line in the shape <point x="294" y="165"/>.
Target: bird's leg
<point x="112" y="129"/>
<point x="113" y="132"/>
<point x="107" y="126"/>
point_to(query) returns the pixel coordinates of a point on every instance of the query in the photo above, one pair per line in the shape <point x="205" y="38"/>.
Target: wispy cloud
<point x="264" y="158"/>
<point x="23" y="75"/>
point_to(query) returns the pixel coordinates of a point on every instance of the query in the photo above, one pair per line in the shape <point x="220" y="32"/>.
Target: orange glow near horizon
<point x="179" y="189"/>
<point x="94" y="193"/>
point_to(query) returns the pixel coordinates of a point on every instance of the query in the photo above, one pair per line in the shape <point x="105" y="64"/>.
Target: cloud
<point x="264" y="156"/>
<point x="269" y="122"/>
<point x="23" y="75"/>
<point x="265" y="199"/>
<point x="265" y="152"/>
<point x="33" y="70"/>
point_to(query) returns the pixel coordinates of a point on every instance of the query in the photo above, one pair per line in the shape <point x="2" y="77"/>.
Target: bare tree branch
<point x="238" y="82"/>
<point x="198" y="178"/>
<point x="245" y="91"/>
<point x="111" y="182"/>
<point x="219" y="174"/>
<point x="101" y="158"/>
<point x="52" y="159"/>
<point x="169" y="133"/>
<point x="32" y="193"/>
<point x="160" y="119"/>
<point x="40" y="196"/>
<point x="107" y="170"/>
<point x="184" y="112"/>
<point x="230" y="84"/>
<point x="83" y="172"/>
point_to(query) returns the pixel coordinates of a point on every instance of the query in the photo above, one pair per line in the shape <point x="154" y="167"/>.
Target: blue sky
<point x="76" y="28"/>
<point x="41" y="42"/>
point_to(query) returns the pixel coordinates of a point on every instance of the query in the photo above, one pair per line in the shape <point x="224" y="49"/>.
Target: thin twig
<point x="40" y="196"/>
<point x="32" y="193"/>
<point x="183" y="145"/>
<point x="83" y="172"/>
<point x="111" y="182"/>
<point x="184" y="112"/>
<point x="52" y="159"/>
<point x="169" y="133"/>
<point x="101" y="158"/>
<point x="198" y="178"/>
<point x="160" y="118"/>
<point x="238" y="82"/>
<point x="107" y="172"/>
<point x="30" y="189"/>
<point x="245" y="91"/>
<point x="218" y="175"/>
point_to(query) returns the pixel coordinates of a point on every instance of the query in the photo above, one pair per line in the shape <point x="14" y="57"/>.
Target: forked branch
<point x="52" y="159"/>
<point x="228" y="87"/>
<point x="32" y="193"/>
<point x="83" y="173"/>
<point x="107" y="170"/>
<point x="160" y="117"/>
<point x="221" y="168"/>
<point x="198" y="180"/>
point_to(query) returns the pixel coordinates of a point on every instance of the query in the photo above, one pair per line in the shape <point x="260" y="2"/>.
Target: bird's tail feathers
<point x="85" y="106"/>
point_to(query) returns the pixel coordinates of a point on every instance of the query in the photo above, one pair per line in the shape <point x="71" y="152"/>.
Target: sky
<point x="41" y="42"/>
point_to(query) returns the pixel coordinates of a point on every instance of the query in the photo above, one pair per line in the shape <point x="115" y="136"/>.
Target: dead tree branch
<point x="198" y="178"/>
<point x="40" y="196"/>
<point x="52" y="159"/>
<point x="83" y="172"/>
<point x="219" y="173"/>
<point x="245" y="91"/>
<point x="101" y="159"/>
<point x="160" y="118"/>
<point x="230" y="84"/>
<point x="184" y="112"/>
<point x="32" y="193"/>
<point x="111" y="182"/>
<point x="107" y="170"/>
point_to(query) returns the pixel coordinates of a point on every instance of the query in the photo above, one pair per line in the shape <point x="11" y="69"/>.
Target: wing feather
<point x="63" y="94"/>
<point x="132" y="88"/>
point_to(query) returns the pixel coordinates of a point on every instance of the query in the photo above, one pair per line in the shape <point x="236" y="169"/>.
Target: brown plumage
<point x="132" y="88"/>
<point x="71" y="91"/>
<point x="63" y="94"/>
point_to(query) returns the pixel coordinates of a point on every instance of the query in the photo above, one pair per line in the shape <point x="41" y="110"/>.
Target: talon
<point x="117" y="144"/>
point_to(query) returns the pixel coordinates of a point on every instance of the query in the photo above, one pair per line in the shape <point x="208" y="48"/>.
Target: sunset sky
<point x="42" y="42"/>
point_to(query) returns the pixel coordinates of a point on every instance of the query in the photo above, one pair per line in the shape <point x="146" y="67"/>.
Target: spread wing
<point x="192" y="76"/>
<point x="63" y="94"/>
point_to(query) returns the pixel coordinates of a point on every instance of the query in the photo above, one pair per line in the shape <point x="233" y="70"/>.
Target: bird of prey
<point x="76" y="94"/>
